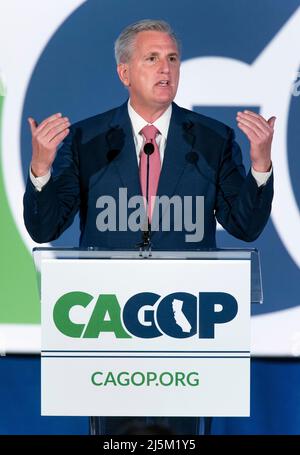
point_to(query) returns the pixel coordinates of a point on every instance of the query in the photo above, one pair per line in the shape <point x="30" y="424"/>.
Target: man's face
<point x="152" y="74"/>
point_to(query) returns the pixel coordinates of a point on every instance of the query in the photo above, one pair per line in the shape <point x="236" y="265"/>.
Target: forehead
<point x="152" y="41"/>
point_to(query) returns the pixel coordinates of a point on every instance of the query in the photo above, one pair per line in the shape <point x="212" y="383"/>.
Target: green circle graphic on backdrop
<point x="19" y="301"/>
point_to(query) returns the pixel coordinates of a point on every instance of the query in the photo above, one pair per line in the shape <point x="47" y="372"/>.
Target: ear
<point x="123" y="72"/>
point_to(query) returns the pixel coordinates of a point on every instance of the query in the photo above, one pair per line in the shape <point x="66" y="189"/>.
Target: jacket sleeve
<point x="49" y="212"/>
<point x="242" y="207"/>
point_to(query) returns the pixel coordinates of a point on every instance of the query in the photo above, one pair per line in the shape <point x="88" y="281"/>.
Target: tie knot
<point x="150" y="132"/>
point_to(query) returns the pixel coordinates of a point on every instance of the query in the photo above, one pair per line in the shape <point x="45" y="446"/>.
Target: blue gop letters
<point x="147" y="315"/>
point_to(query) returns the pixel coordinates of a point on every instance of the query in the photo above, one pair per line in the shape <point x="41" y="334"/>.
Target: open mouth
<point x="163" y="83"/>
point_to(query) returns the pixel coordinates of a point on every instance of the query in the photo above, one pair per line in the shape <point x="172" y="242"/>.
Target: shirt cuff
<point x="39" y="182"/>
<point x="261" y="177"/>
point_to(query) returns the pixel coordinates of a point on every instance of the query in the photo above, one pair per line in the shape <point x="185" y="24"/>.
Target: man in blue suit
<point x="197" y="157"/>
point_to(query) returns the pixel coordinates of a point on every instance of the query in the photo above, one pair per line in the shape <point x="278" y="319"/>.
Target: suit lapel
<point x="122" y="148"/>
<point x="179" y="143"/>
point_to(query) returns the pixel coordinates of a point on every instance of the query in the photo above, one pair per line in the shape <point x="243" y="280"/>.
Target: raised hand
<point x="259" y="131"/>
<point x="46" y="137"/>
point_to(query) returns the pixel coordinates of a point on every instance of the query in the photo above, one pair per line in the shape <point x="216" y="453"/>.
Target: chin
<point x="165" y="100"/>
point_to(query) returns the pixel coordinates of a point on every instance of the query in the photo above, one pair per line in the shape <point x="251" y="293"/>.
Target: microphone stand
<point x="145" y="245"/>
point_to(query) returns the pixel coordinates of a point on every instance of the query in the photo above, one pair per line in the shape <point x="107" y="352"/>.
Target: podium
<point x="143" y="334"/>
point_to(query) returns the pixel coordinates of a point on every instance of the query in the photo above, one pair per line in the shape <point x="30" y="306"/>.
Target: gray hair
<point x="124" y="42"/>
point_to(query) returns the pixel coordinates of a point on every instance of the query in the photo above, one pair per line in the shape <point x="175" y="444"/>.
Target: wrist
<point x="38" y="171"/>
<point x="264" y="166"/>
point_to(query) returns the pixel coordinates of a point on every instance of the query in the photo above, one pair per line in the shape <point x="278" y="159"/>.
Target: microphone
<point x="148" y="148"/>
<point x="193" y="158"/>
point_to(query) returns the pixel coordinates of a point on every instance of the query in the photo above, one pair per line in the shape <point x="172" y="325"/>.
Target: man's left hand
<point x="259" y="131"/>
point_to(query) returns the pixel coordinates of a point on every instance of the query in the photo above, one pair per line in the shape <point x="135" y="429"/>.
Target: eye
<point x="173" y="58"/>
<point x="151" y="58"/>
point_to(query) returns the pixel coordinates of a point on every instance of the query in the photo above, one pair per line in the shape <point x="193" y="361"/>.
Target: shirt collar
<point x="162" y="123"/>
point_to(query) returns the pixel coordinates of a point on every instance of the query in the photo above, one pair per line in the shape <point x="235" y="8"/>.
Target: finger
<point x="248" y="131"/>
<point x="53" y="125"/>
<point x="254" y="121"/>
<point x="258" y="116"/>
<point x="257" y="133"/>
<point x="55" y="131"/>
<point x="44" y="129"/>
<point x="60" y="137"/>
<point x="47" y="120"/>
<point x="271" y="122"/>
<point x="32" y="124"/>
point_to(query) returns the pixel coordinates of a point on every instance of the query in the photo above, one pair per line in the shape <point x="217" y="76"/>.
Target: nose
<point x="164" y="66"/>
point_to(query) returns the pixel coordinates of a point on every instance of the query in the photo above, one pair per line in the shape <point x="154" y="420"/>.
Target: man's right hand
<point x="46" y="137"/>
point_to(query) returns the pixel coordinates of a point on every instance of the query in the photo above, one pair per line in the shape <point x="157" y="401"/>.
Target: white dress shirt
<point x="162" y="124"/>
<point x="138" y="123"/>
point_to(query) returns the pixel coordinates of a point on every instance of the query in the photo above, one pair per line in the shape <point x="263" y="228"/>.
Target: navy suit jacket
<point x="98" y="157"/>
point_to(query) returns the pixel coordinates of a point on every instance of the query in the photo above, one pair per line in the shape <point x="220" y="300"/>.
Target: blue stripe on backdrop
<point x="275" y="401"/>
<point x="20" y="398"/>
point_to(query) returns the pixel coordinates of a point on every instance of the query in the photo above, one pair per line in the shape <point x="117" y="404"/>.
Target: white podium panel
<point x="144" y="337"/>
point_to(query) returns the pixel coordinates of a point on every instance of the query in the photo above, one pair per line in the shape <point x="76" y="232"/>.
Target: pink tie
<point x="150" y="132"/>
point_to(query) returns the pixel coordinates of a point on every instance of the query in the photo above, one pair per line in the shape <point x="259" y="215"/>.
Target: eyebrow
<point x="171" y="54"/>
